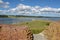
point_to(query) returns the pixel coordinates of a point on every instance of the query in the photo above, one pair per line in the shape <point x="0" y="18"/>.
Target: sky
<point x="30" y="7"/>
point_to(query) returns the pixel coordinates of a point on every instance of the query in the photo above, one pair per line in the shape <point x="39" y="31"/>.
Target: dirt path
<point x="39" y="37"/>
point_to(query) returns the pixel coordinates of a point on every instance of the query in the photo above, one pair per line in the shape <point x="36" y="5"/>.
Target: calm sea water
<point x="19" y="20"/>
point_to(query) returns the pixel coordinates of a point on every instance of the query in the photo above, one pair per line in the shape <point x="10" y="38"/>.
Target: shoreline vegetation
<point x="52" y="32"/>
<point x="17" y="16"/>
<point x="36" y="26"/>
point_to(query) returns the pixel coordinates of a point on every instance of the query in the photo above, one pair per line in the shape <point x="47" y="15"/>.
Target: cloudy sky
<point x="30" y="7"/>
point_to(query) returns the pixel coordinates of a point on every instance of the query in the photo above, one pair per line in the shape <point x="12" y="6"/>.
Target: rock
<point x="13" y="32"/>
<point x="53" y="31"/>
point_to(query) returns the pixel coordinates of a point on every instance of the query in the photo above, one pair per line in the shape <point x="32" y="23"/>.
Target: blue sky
<point x="36" y="7"/>
<point x="42" y="3"/>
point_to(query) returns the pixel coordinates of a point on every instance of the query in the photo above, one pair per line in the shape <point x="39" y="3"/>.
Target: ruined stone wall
<point x="12" y="32"/>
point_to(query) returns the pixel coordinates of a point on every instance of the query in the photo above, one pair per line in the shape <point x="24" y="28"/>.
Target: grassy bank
<point x="36" y="26"/>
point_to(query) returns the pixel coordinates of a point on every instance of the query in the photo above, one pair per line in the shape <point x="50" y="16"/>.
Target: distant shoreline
<point x="17" y="16"/>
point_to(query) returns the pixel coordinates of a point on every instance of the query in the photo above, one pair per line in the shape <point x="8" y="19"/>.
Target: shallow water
<point x="19" y="20"/>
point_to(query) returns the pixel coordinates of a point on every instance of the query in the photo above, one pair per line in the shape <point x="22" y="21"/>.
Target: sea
<point x="26" y="19"/>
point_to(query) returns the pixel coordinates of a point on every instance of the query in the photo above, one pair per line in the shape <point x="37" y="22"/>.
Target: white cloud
<point x="1" y="1"/>
<point x="22" y="9"/>
<point x="2" y="12"/>
<point x="4" y="4"/>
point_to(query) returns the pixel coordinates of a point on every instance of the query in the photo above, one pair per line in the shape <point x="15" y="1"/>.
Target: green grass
<point x="36" y="26"/>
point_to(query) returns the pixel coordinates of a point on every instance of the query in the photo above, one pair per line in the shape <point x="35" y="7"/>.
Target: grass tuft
<point x="36" y="26"/>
